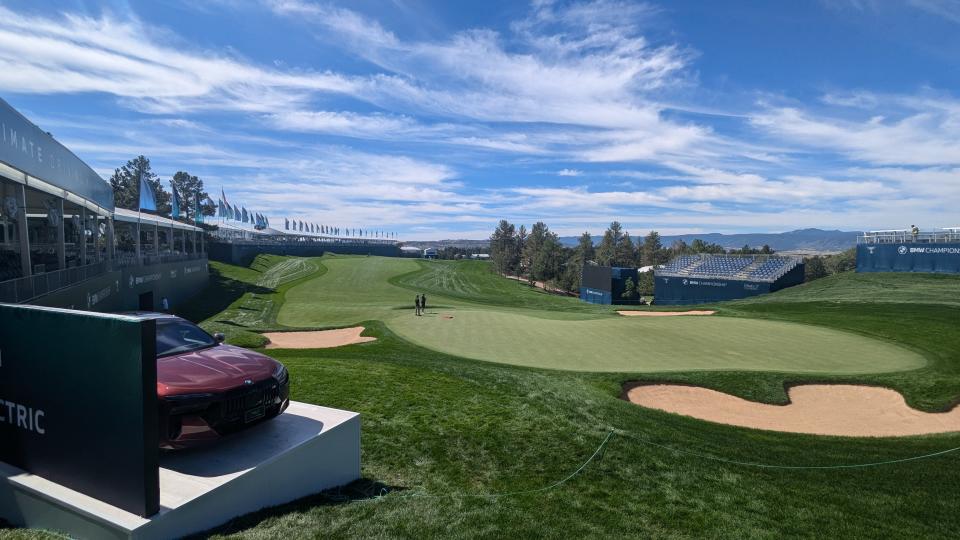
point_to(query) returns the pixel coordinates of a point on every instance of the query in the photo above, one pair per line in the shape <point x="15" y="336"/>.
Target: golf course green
<point x="554" y="332"/>
<point x="459" y="448"/>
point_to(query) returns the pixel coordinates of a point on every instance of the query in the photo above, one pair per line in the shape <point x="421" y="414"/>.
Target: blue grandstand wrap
<point x="909" y="257"/>
<point x="703" y="278"/>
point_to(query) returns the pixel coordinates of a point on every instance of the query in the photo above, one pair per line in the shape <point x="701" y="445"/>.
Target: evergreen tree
<point x="652" y="252"/>
<point x="629" y="290"/>
<point x="585" y="250"/>
<point x="188" y="186"/>
<point x="548" y="261"/>
<point x="645" y="283"/>
<point x="503" y="247"/>
<point x="521" y="245"/>
<point x="125" y="182"/>
<point x="626" y="253"/>
<point x="607" y="250"/>
<point x="572" y="273"/>
<point x="533" y="243"/>
<point x="699" y="246"/>
<point x="679" y="247"/>
<point x="814" y="268"/>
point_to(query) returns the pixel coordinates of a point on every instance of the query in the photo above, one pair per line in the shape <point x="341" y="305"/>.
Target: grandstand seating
<point x="743" y="267"/>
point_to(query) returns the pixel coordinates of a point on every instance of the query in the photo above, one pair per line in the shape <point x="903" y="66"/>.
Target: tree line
<point x="125" y="182"/>
<point x="538" y="255"/>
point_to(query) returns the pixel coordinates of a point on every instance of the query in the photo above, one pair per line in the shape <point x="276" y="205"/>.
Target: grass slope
<point x="474" y="282"/>
<point x="241" y="302"/>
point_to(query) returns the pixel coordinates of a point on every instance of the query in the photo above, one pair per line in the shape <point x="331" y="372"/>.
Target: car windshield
<point x="174" y="337"/>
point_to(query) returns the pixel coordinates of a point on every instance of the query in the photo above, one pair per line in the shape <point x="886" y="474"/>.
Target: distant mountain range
<point x="803" y="240"/>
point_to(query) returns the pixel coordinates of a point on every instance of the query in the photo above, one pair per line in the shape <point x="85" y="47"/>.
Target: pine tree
<point x="503" y="243"/>
<point x="652" y="252"/>
<point x="126" y="185"/>
<point x="188" y="186"/>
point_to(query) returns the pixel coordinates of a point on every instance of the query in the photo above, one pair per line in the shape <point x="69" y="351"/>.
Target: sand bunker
<point x="820" y="409"/>
<point x="323" y="339"/>
<point x="663" y="313"/>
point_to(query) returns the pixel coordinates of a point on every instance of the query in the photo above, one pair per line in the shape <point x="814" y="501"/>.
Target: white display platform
<point x="305" y="450"/>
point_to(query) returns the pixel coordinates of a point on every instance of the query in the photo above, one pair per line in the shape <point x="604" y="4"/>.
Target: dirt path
<point x="848" y="410"/>
<point x="629" y="313"/>
<point x="322" y="339"/>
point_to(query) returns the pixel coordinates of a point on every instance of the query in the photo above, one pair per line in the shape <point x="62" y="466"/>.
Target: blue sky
<point x="436" y="119"/>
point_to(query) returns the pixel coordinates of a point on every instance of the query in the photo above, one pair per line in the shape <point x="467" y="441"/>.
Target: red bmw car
<point x="207" y="388"/>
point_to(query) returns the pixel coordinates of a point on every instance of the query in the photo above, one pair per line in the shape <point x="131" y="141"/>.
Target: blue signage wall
<point x="672" y="290"/>
<point x="26" y="147"/>
<point x="595" y="296"/>
<point x="909" y="257"/>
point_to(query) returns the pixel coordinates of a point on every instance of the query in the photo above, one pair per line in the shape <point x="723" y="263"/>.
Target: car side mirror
<point x="219" y="337"/>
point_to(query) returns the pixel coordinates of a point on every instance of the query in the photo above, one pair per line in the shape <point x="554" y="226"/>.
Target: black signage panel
<point x="78" y="402"/>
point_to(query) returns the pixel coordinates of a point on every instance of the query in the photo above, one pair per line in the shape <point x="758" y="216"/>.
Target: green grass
<point x="438" y="430"/>
<point x="654" y="344"/>
<point x="476" y="314"/>
<point x="242" y="302"/>
<point x="474" y="282"/>
<point x="441" y="431"/>
<point x="871" y="288"/>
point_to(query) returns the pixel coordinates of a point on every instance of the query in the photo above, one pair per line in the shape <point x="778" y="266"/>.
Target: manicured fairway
<point x="353" y="289"/>
<point x="655" y="344"/>
<point x="575" y="337"/>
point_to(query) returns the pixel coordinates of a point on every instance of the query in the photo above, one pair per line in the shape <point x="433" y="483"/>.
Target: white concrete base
<point x="305" y="450"/>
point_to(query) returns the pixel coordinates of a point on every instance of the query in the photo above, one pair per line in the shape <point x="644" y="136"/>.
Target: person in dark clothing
<point x="423" y="302"/>
<point x="416" y="304"/>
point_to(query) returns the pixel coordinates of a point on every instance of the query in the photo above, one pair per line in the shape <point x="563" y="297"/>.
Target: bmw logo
<point x="902" y="250"/>
<point x="685" y="282"/>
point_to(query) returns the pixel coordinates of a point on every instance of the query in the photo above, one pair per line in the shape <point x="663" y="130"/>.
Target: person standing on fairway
<point x="416" y="304"/>
<point x="423" y="302"/>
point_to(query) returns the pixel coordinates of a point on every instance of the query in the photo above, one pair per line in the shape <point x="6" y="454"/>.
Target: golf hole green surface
<point x="667" y="344"/>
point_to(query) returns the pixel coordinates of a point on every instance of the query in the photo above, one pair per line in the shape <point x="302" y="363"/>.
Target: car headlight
<point x="280" y="373"/>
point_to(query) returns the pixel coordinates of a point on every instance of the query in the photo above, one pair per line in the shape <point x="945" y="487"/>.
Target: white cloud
<point x="75" y="54"/>
<point x="569" y="172"/>
<point x="342" y="123"/>
<point x="927" y="133"/>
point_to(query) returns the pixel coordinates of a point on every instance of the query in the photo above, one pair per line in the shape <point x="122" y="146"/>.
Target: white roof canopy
<point x="129" y="216"/>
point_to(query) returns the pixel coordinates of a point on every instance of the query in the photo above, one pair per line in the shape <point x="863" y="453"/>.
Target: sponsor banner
<point x="78" y="402"/>
<point x="32" y="150"/>
<point x="673" y="290"/>
<point x="909" y="257"/>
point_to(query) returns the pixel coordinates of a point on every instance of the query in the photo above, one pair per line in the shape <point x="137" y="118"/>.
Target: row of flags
<point x="236" y="212"/>
<point x="303" y="226"/>
<point x="148" y="201"/>
<point x="240" y="213"/>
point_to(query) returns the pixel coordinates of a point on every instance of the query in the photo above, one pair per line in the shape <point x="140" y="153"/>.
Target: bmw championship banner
<point x="78" y="402"/>
<point x="909" y="257"/>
